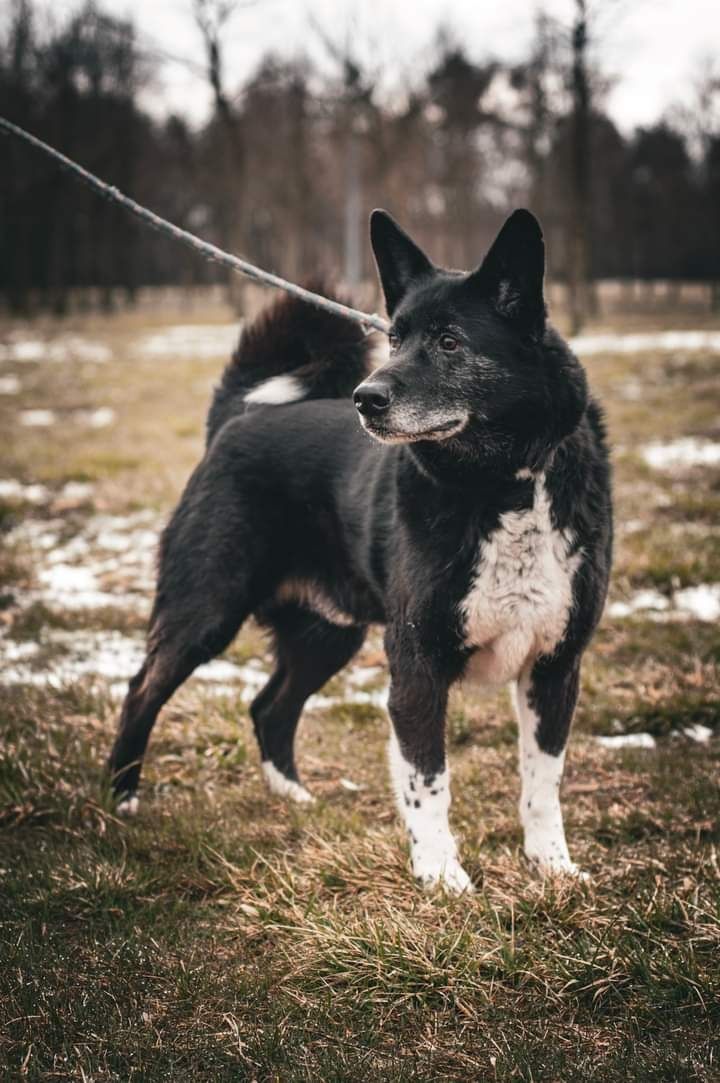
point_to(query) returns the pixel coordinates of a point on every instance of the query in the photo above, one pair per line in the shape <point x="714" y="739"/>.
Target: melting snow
<point x="643" y="600"/>
<point x="698" y="732"/>
<point x="9" y="385"/>
<point x="110" y="563"/>
<point x="191" y="340"/>
<point x="37" y="419"/>
<point x="63" y="348"/>
<point x="691" y="603"/>
<point x="361" y="675"/>
<point x="76" y="491"/>
<point x="627" y="740"/>
<point x="109" y="655"/>
<point x="688" y="451"/>
<point x="10" y="489"/>
<point x="72" y="492"/>
<point x="638" y="343"/>
<point x="701" y="602"/>
<point x="95" y="419"/>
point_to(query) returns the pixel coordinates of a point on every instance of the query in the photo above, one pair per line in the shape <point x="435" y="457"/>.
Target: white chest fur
<point x="521" y="593"/>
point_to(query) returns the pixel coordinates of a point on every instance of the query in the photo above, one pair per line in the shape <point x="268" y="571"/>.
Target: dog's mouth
<point x="387" y="435"/>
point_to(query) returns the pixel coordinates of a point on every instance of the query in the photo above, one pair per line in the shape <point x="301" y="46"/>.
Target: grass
<point x="225" y="936"/>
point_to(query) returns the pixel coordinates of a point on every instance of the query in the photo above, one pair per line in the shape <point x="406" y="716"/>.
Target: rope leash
<point x="368" y="321"/>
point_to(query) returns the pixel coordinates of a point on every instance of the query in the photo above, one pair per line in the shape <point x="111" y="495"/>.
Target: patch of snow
<point x="72" y="491"/>
<point x="63" y="348"/>
<point x="687" y="451"/>
<point x="691" y="603"/>
<point x="70" y="586"/>
<point x="110" y="562"/>
<point x="643" y="600"/>
<point x="17" y="652"/>
<point x="701" y="602"/>
<point x="698" y="732"/>
<point x="37" y="419"/>
<point x="631" y="391"/>
<point x="10" y="489"/>
<point x="76" y="490"/>
<point x="9" y="385"/>
<point x="360" y="675"/>
<point x="377" y="699"/>
<point x="190" y="341"/>
<point x="627" y="740"/>
<point x="318" y="702"/>
<point x="219" y="670"/>
<point x="641" y="342"/>
<point x="632" y="526"/>
<point x="110" y="656"/>
<point x="95" y="419"/>
<point x="19" y="349"/>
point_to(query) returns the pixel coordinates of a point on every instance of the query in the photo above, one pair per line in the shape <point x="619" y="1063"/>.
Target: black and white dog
<point x="470" y="514"/>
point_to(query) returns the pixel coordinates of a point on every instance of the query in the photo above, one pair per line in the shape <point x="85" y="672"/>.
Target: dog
<point x="469" y="512"/>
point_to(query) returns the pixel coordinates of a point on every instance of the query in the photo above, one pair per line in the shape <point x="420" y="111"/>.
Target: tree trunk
<point x="578" y="248"/>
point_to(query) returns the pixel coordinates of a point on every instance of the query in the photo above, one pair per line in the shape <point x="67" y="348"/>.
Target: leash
<point x="368" y="321"/>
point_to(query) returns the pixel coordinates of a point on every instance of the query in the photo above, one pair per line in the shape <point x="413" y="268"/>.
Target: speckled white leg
<point x="541" y="775"/>
<point x="424" y="804"/>
<point x="279" y="784"/>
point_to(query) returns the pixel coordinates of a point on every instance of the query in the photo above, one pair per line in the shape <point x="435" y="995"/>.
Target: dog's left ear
<point x="511" y="274"/>
<point x="400" y="262"/>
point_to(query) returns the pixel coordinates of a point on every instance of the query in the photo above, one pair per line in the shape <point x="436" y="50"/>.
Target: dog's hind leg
<point x="175" y="649"/>
<point x="310" y="651"/>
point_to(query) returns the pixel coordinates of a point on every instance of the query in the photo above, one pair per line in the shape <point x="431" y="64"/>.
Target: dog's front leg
<point x="545" y="697"/>
<point x="418" y="769"/>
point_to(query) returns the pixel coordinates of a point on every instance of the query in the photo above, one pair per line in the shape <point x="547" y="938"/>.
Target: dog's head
<point x="471" y="360"/>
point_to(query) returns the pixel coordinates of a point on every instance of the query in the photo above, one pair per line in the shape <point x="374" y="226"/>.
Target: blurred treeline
<point x="293" y="158"/>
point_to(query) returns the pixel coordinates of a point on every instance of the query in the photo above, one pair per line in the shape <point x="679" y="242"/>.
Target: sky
<point x="653" y="50"/>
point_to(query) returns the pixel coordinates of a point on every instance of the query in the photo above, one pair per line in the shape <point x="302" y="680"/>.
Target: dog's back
<point x="291" y="352"/>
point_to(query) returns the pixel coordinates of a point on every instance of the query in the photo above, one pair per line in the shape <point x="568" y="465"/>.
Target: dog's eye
<point x="448" y="343"/>
<point x="394" y="340"/>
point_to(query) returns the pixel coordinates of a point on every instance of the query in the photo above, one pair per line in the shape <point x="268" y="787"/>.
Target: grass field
<point x="224" y="936"/>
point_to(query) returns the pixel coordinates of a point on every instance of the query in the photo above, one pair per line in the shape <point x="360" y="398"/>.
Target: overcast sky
<point x="653" y="48"/>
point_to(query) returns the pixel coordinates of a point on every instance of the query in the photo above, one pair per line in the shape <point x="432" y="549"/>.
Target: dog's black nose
<point x="372" y="398"/>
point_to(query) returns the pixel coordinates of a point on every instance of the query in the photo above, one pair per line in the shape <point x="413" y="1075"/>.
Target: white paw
<point x="280" y="784"/>
<point x="128" y="805"/>
<point x="448" y="875"/>
<point x="556" y="865"/>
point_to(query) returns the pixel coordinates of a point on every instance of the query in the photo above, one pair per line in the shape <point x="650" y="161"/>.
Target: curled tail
<point x="291" y="352"/>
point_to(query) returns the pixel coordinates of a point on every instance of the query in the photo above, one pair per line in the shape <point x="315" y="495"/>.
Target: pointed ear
<point x="399" y="260"/>
<point x="512" y="272"/>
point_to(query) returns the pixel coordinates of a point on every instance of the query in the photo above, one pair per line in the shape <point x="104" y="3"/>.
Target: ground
<point x="225" y="936"/>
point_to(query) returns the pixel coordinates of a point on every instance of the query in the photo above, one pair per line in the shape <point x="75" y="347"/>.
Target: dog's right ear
<point x="400" y="262"/>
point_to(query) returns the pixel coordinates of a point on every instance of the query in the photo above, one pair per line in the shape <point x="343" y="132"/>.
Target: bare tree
<point x="355" y="100"/>
<point x="580" y="172"/>
<point x="212" y="17"/>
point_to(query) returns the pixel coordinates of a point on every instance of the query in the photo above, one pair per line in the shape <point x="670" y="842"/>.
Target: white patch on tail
<point x="280" y="784"/>
<point x="424" y="805"/>
<point x="276" y="391"/>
